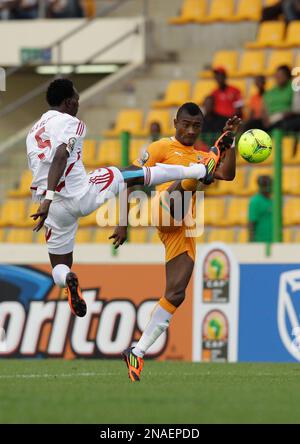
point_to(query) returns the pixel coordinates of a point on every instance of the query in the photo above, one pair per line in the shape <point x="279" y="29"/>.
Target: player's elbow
<point x="229" y="176"/>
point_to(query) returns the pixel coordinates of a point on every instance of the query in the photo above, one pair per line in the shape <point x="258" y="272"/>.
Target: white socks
<point x="165" y="173"/>
<point x="59" y="274"/>
<point x="158" y="323"/>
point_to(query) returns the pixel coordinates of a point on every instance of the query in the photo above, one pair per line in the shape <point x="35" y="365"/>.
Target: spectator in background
<point x="256" y="106"/>
<point x="228" y="99"/>
<point x="213" y="122"/>
<point x="64" y="9"/>
<point x="24" y="9"/>
<point x="154" y="132"/>
<point x="154" y="135"/>
<point x="5" y="7"/>
<point x="289" y="9"/>
<point x="260" y="212"/>
<point x="278" y="101"/>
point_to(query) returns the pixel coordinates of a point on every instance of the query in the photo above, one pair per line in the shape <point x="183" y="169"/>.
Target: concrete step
<point x="156" y="8"/>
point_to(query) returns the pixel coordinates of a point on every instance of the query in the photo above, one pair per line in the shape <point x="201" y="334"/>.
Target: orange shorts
<point x="176" y="242"/>
<point x="173" y="237"/>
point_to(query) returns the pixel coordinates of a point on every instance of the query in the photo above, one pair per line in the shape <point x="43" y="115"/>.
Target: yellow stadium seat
<point x="24" y="186"/>
<point x="192" y="11"/>
<point x="292" y="38"/>
<point x="290" y="156"/>
<point x="130" y="120"/>
<point x="83" y="236"/>
<point x="19" y="236"/>
<point x="237" y="212"/>
<point x="109" y="153"/>
<point x="87" y="221"/>
<point x="178" y="92"/>
<point x="226" y="235"/>
<point x="287" y="234"/>
<point x="297" y="62"/>
<point x="202" y="89"/>
<point x="89" y="155"/>
<point x="40" y="237"/>
<point x="136" y="148"/>
<point x="248" y="10"/>
<point x="226" y="59"/>
<point x="291" y="212"/>
<point x="13" y="213"/>
<point x="214" y="210"/>
<point x="251" y="64"/>
<point x="254" y="173"/>
<point x="213" y="189"/>
<point x="270" y="33"/>
<point x="28" y="221"/>
<point x="243" y="236"/>
<point x="103" y="234"/>
<point x="138" y="235"/>
<point x="291" y="180"/>
<point x="220" y="10"/>
<point x="234" y="187"/>
<point x="162" y="116"/>
<point x="277" y="58"/>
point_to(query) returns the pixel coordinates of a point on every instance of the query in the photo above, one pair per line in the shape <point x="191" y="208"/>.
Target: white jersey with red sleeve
<point x="53" y="129"/>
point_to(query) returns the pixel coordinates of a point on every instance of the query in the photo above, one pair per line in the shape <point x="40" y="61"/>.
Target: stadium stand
<point x="226" y="203"/>
<point x="247" y="10"/>
<point x="192" y="11"/>
<point x="227" y="59"/>
<point x="177" y="92"/>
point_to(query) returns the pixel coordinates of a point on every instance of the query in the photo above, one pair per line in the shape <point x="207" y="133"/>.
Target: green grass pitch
<point x="98" y="391"/>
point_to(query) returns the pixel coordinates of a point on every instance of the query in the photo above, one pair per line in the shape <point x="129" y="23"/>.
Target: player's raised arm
<point x="227" y="169"/>
<point x="56" y="171"/>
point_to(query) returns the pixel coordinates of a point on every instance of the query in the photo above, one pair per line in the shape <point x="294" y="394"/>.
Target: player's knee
<point x="175" y="297"/>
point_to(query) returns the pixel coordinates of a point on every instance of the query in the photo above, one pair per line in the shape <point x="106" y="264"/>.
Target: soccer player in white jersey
<point x="66" y="192"/>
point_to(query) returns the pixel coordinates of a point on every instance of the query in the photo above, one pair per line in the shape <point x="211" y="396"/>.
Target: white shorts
<point x="62" y="221"/>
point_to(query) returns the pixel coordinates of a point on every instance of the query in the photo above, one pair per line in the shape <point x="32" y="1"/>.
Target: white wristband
<point x="49" y="195"/>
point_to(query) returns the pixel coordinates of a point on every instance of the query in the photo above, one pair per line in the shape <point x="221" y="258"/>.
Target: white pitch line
<point x="62" y="375"/>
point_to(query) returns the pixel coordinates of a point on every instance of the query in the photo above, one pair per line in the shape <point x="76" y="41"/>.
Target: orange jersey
<point x="172" y="152"/>
<point x="169" y="151"/>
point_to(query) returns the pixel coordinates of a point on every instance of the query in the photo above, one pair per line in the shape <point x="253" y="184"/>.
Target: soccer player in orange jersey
<point x="180" y="249"/>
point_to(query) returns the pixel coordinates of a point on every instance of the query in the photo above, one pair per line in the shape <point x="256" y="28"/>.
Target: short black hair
<point x="262" y="180"/>
<point x="58" y="91"/>
<point x="190" y="108"/>
<point x="286" y="69"/>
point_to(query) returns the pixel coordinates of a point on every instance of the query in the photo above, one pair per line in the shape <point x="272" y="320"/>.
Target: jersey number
<point x="40" y="142"/>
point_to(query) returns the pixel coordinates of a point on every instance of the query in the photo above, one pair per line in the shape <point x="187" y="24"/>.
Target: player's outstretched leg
<point x="134" y="364"/>
<point x="76" y="301"/>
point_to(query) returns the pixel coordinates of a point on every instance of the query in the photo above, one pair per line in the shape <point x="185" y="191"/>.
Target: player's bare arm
<point x="227" y="168"/>
<point x="56" y="171"/>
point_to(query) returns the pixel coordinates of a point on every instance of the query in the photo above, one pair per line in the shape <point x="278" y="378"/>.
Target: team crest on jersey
<point x="71" y="144"/>
<point x="144" y="158"/>
<point x="199" y="157"/>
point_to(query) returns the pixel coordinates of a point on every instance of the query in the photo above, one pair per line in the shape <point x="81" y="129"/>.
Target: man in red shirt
<point x="228" y="99"/>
